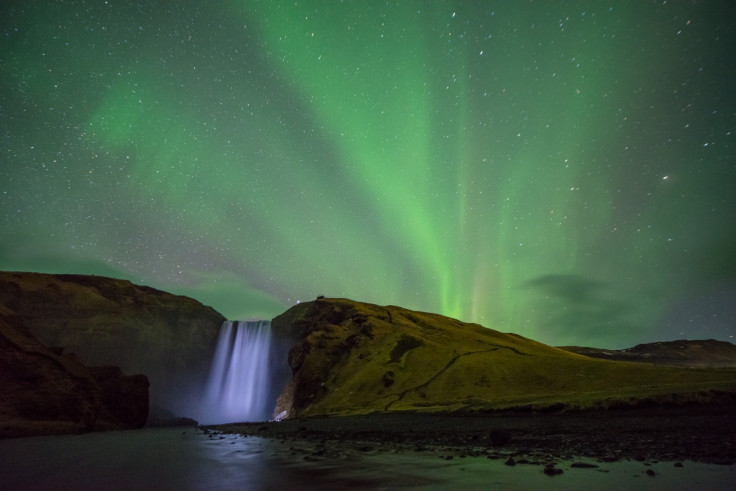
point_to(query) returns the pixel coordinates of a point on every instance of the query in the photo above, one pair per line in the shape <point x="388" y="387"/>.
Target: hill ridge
<point x="352" y="357"/>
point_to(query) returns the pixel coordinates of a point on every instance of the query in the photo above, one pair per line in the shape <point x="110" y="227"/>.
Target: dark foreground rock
<point x="696" y="433"/>
<point x="159" y="417"/>
<point x="45" y="392"/>
<point x="107" y="321"/>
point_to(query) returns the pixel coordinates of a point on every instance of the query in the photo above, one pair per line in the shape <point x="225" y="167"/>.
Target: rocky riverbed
<point x="704" y="434"/>
<point x="179" y="458"/>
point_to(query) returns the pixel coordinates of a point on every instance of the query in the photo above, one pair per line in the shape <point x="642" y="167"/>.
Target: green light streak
<point x="487" y="161"/>
<point x="382" y="107"/>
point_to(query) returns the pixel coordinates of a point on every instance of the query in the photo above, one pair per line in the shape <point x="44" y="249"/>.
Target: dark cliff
<point x="105" y="321"/>
<point x="44" y="392"/>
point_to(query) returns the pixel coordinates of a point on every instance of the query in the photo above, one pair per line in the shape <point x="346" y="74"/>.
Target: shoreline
<point x="705" y="434"/>
<point x="169" y="458"/>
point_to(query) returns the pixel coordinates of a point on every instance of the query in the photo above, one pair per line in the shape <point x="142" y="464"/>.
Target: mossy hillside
<point x="360" y="358"/>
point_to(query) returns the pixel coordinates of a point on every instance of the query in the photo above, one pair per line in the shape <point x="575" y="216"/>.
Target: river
<point x="185" y="458"/>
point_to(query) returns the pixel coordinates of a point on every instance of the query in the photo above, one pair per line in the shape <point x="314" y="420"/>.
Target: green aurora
<point x="562" y="170"/>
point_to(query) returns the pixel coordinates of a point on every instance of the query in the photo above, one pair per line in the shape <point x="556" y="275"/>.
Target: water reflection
<point x="189" y="459"/>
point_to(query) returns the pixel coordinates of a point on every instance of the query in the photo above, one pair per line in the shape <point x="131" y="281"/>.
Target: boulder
<point x="44" y="392"/>
<point x="106" y="321"/>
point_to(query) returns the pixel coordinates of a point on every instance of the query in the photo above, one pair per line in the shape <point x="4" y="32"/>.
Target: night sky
<point x="563" y="170"/>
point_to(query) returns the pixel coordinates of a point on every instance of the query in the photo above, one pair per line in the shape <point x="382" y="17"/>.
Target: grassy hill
<point x="358" y="358"/>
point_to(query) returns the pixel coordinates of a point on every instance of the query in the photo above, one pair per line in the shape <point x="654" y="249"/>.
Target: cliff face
<point x="44" y="392"/>
<point x="106" y="321"/>
<point x="355" y="358"/>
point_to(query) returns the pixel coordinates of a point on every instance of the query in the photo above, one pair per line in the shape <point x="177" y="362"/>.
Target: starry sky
<point x="564" y="170"/>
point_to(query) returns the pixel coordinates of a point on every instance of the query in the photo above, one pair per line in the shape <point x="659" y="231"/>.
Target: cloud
<point x="577" y="310"/>
<point x="224" y="291"/>
<point x="29" y="256"/>
<point x="571" y="288"/>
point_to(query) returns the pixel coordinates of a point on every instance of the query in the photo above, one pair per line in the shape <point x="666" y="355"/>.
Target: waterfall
<point x="239" y="382"/>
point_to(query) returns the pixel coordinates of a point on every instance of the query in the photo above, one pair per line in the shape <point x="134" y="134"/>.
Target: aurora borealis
<point x="562" y="170"/>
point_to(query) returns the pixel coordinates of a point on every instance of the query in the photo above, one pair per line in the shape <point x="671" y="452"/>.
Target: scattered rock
<point x="583" y="465"/>
<point x="551" y="470"/>
<point x="388" y="379"/>
<point x="602" y="436"/>
<point x="500" y="438"/>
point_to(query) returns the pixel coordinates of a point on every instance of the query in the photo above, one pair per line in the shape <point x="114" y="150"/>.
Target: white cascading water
<point x="238" y="385"/>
